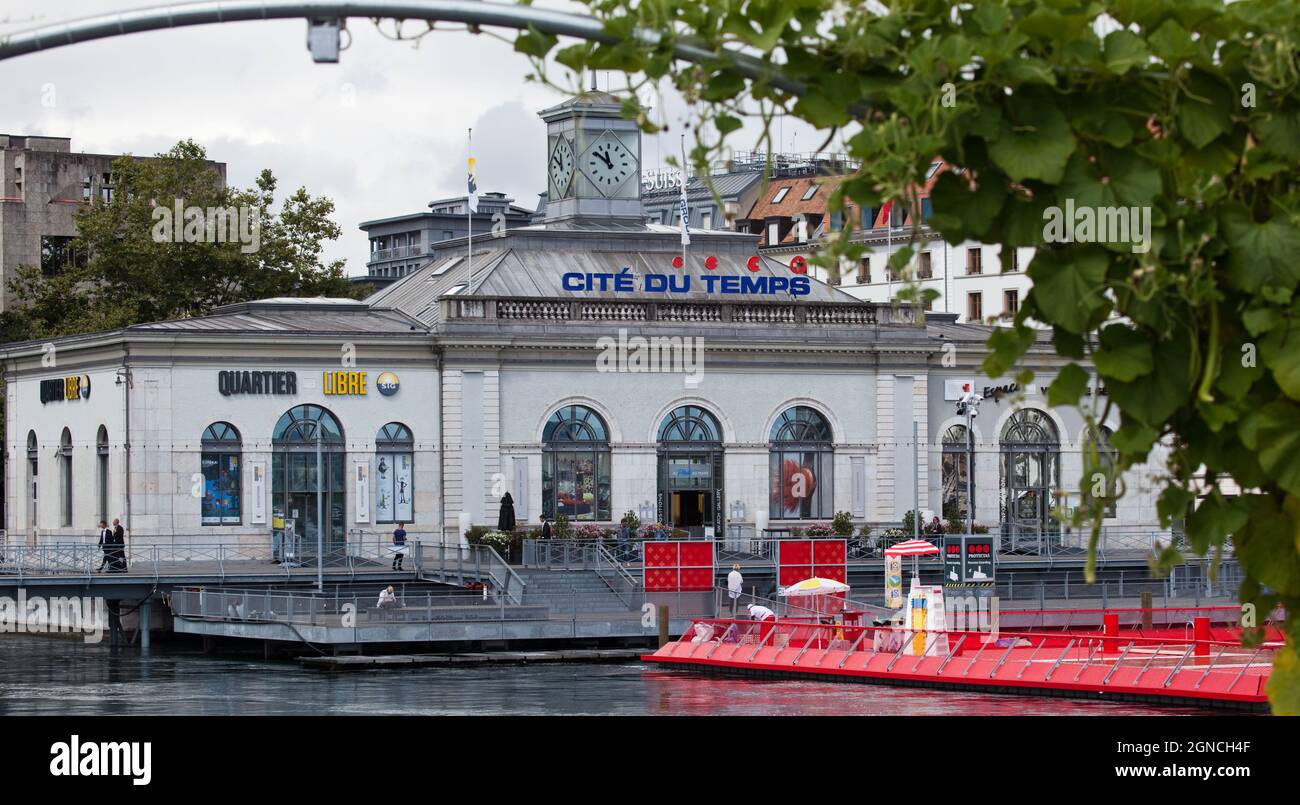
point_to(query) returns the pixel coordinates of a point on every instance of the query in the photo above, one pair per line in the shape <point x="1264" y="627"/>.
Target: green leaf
<point x="1204" y="112"/>
<point x="1274" y="431"/>
<point x="1068" y="386"/>
<point x="963" y="214"/>
<point x="1154" y="397"/>
<point x="1124" y="51"/>
<point x="1134" y="438"/>
<point x="1067" y="286"/>
<point x="1280" y="350"/>
<point x="1279" y="132"/>
<point x="1284" y="682"/>
<point x="1265" y="545"/>
<point x="1261" y="254"/>
<point x="1125" y="353"/>
<point x="1006" y="346"/>
<point x="726" y="124"/>
<point x="1034" y="141"/>
<point x="1215" y="520"/>
<point x="534" y="43"/>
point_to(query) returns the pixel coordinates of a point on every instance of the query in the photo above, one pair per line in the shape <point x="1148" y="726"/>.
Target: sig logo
<point x="387" y="383"/>
<point x="74" y="758"/>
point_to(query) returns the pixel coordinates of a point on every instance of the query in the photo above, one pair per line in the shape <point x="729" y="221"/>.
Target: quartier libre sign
<point x="627" y="282"/>
<point x="74" y="387"/>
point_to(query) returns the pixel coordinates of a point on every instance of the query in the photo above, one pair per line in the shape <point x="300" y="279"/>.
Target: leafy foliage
<point x="132" y="276"/>
<point x="1190" y="108"/>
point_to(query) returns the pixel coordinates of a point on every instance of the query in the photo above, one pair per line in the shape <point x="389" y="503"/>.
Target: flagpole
<point x="469" y="214"/>
<point x="686" y="224"/>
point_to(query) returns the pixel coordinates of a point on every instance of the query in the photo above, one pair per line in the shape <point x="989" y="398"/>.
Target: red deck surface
<point x="1164" y="664"/>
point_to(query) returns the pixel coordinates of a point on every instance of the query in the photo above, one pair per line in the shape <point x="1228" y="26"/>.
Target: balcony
<point x="734" y="313"/>
<point x="398" y="253"/>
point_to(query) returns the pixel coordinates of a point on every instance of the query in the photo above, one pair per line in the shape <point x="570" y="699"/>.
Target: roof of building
<point x="289" y="315"/>
<point x="726" y="185"/>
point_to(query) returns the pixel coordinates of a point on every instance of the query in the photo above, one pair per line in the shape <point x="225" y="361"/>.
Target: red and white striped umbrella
<point x="912" y="547"/>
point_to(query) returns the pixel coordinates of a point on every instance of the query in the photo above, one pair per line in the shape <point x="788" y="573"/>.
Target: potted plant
<point x="842" y="524"/>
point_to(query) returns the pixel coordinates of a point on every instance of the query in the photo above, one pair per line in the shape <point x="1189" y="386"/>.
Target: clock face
<point x="608" y="163"/>
<point x="561" y="166"/>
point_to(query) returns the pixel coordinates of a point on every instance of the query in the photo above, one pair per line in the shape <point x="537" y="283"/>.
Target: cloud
<point x="382" y="132"/>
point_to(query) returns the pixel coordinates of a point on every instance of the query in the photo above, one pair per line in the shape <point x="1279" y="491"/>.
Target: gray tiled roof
<point x="287" y="315"/>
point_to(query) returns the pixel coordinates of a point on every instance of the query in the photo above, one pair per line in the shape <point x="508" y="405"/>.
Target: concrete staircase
<point x="569" y="591"/>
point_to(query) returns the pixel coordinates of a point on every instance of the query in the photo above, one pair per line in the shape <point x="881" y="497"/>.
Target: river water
<point x="46" y="676"/>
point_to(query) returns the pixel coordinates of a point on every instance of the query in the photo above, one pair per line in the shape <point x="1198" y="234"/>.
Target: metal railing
<point x="611" y="571"/>
<point x="474" y="562"/>
<point x="1078" y="652"/>
<point x="415" y="606"/>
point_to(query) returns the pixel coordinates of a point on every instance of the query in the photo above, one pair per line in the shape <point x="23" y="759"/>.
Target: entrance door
<point x="692" y="510"/>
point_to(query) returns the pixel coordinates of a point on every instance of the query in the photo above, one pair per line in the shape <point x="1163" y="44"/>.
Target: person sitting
<point x="387" y="598"/>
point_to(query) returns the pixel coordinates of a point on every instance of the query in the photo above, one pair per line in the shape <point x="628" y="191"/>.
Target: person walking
<point x="118" y="563"/>
<point x="624" y="538"/>
<point x="399" y="545"/>
<point x="735" y="582"/>
<point x="105" y="544"/>
<point x="546" y="528"/>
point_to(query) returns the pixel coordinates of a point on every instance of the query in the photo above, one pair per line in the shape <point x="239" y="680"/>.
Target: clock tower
<point x="593" y="161"/>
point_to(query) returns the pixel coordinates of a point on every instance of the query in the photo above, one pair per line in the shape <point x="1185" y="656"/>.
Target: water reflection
<point x="48" y="676"/>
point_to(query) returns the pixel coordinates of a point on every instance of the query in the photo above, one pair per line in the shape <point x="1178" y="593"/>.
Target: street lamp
<point x="968" y="406"/>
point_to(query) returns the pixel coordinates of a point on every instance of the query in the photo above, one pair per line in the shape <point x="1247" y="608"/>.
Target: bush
<point x="630" y="520"/>
<point x="842" y="524"/>
<point x="589" y="531"/>
<point x="475" y="534"/>
<point x="562" y="529"/>
<point x="864" y="531"/>
<point x="819" y="530"/>
<point x="908" y="519"/>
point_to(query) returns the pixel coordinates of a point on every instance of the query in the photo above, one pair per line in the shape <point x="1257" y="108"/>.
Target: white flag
<point x="686" y="215"/>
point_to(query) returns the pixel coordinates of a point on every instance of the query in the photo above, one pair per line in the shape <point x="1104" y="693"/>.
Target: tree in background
<point x="137" y="270"/>
<point x="1185" y="110"/>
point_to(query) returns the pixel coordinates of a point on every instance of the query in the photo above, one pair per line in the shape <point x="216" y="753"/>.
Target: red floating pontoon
<point x="1194" y="663"/>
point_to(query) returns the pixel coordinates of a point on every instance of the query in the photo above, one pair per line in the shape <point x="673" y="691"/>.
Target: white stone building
<point x="770" y="398"/>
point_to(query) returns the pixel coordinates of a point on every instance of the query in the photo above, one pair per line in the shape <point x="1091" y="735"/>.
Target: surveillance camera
<point x="323" y="40"/>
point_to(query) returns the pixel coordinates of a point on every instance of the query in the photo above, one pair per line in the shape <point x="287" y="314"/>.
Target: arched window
<point x="1031" y="457"/>
<point x="33" y="464"/>
<point x="394" y="470"/>
<point x="299" y="424"/>
<point x="221" y="475"/>
<point x="800" y="463"/>
<point x="690" y="423"/>
<point x="1100" y="460"/>
<point x="957" y="456"/>
<point x="101" y="462"/>
<point x="575" y="465"/>
<point x="65" y="478"/>
<point x="298" y="494"/>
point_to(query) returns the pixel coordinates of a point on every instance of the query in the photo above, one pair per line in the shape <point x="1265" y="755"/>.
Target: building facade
<point x="584" y="364"/>
<point x="401" y="244"/>
<point x="42" y="186"/>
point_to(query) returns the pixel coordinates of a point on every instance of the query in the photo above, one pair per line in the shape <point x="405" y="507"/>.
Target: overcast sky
<point x="382" y="132"/>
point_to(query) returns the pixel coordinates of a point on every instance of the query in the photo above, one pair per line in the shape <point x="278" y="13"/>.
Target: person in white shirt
<point x="387" y="598"/>
<point x="734" y="583"/>
<point x="764" y="616"/>
<point x="761" y="613"/>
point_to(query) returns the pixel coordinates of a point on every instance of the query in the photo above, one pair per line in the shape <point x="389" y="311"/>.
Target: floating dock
<point x="1194" y="665"/>
<point x="399" y="661"/>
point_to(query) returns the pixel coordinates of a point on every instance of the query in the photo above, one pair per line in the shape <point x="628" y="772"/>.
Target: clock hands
<point x="609" y="163"/>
